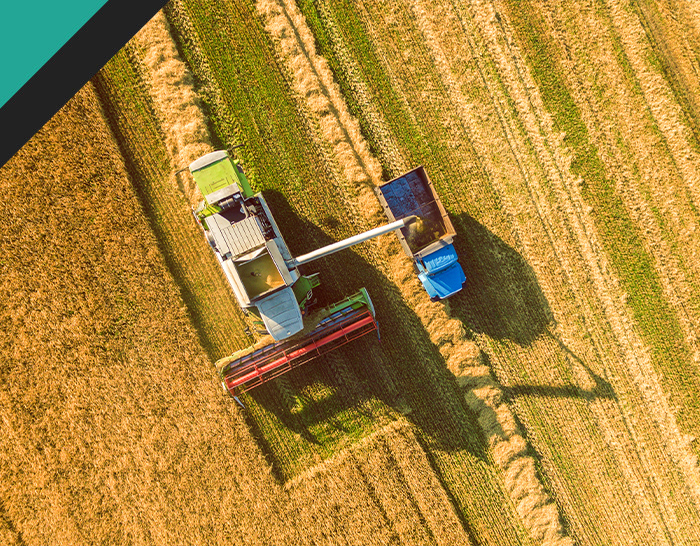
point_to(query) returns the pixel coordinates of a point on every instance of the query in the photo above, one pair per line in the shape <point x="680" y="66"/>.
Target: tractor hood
<point x="440" y="259"/>
<point x="445" y="283"/>
<point x="280" y="314"/>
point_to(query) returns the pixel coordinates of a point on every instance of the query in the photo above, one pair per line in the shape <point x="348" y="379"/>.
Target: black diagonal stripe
<point x="69" y="69"/>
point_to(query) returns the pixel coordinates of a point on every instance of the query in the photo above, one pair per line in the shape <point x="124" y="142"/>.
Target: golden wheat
<point x="315" y="84"/>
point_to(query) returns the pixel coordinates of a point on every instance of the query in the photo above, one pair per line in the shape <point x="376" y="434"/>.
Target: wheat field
<point x="552" y="401"/>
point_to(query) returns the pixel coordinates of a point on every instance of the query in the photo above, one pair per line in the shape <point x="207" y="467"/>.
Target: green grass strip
<point x="619" y="234"/>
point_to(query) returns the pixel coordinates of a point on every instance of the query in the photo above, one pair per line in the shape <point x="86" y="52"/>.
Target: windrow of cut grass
<point x="174" y="100"/>
<point x="510" y="183"/>
<point x="112" y="429"/>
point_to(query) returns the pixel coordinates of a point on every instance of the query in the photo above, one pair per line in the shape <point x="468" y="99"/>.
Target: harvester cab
<point x="249" y="245"/>
<point x="266" y="280"/>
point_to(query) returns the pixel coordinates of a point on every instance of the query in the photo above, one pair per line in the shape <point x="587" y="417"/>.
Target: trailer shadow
<point x="601" y="389"/>
<point x="501" y="297"/>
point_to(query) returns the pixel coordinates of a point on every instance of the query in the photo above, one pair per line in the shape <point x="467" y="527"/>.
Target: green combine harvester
<point x="266" y="280"/>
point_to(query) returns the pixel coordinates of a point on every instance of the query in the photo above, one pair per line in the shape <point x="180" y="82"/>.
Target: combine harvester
<point x="266" y="280"/>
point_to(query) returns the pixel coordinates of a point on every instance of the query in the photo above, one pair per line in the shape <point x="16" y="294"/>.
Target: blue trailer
<point x="428" y="240"/>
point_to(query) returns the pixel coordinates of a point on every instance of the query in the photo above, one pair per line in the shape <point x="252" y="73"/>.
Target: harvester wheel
<point x="210" y="239"/>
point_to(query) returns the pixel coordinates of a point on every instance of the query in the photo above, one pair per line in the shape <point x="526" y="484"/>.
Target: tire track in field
<point x="674" y="280"/>
<point x="314" y="82"/>
<point x="550" y="151"/>
<point x="658" y="95"/>
<point x="674" y="39"/>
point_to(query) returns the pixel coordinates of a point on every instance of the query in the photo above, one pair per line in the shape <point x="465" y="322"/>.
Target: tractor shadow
<point x="501" y="297"/>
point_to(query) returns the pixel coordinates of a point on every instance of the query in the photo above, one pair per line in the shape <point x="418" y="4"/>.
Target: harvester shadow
<point x="347" y="385"/>
<point x="404" y="371"/>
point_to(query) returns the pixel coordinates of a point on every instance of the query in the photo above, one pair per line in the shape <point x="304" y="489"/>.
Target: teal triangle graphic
<point x="30" y="34"/>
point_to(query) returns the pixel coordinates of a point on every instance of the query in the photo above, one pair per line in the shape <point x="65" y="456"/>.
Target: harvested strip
<point x="640" y="365"/>
<point x="390" y="471"/>
<point x="322" y="91"/>
<point x="178" y="107"/>
<point x="313" y="80"/>
<point x="521" y="363"/>
<point x="284" y="157"/>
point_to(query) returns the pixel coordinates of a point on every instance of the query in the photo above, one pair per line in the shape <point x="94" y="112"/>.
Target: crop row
<point x="490" y="306"/>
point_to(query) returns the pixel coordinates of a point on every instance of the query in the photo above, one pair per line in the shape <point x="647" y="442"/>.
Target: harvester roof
<point x="218" y="177"/>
